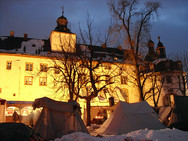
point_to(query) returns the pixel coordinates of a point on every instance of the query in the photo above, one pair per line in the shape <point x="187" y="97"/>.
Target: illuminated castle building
<point x="22" y="58"/>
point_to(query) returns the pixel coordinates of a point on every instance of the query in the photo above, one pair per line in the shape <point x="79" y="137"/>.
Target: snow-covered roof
<point x="20" y="45"/>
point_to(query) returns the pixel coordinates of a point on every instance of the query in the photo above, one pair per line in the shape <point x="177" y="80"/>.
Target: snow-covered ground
<point x="139" y="135"/>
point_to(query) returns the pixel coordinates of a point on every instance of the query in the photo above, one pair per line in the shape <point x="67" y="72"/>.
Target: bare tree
<point x="134" y="22"/>
<point x="66" y="74"/>
<point x="92" y="62"/>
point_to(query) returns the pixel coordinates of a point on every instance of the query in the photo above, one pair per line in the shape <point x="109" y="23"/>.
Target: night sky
<point x="38" y="19"/>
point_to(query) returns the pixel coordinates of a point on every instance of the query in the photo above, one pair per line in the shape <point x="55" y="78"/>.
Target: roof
<point x="160" y="44"/>
<point x="167" y="65"/>
<point x="128" y="117"/>
<point x="22" y="45"/>
<point x="31" y="46"/>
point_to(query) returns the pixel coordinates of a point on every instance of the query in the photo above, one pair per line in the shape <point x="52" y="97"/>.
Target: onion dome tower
<point x="161" y="50"/>
<point x="151" y="56"/>
<point x="62" y="23"/>
<point x="62" y="39"/>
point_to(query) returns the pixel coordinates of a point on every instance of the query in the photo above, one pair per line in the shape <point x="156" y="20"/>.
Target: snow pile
<point x="139" y="135"/>
<point x="159" y="135"/>
<point x="3" y="38"/>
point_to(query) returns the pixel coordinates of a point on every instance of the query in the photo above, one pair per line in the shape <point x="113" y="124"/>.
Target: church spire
<point x="151" y="56"/>
<point x="62" y="10"/>
<point x="161" y="50"/>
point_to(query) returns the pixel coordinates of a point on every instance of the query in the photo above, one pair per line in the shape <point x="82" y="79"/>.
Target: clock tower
<point x="62" y="39"/>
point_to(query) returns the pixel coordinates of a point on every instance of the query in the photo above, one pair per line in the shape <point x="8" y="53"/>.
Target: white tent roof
<point x="129" y="117"/>
<point x="58" y="118"/>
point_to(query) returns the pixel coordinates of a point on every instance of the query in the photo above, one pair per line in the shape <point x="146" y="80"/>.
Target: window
<point x="56" y="69"/>
<point x="170" y="90"/>
<point x="82" y="78"/>
<point x="9" y="65"/>
<point x="169" y="79"/>
<point x="167" y="100"/>
<point x="107" y="67"/>
<point x="97" y="78"/>
<point x="108" y="79"/>
<point x="123" y="79"/>
<point x="28" y="80"/>
<point x="125" y="95"/>
<point x="42" y="81"/>
<point x="43" y="67"/>
<point x="28" y="66"/>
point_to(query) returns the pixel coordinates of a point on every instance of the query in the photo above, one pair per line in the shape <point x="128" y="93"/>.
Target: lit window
<point x="28" y="80"/>
<point x="167" y="100"/>
<point x="123" y="79"/>
<point x="169" y="79"/>
<point x="82" y="78"/>
<point x="170" y="90"/>
<point x="28" y="66"/>
<point x="43" y="67"/>
<point x="125" y="95"/>
<point x="97" y="78"/>
<point x="9" y="65"/>
<point x="42" y="81"/>
<point x="108" y="79"/>
<point x="108" y="67"/>
<point x="56" y="69"/>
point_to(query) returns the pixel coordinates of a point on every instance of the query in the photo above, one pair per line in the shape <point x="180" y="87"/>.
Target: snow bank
<point x="139" y="135"/>
<point x="159" y="135"/>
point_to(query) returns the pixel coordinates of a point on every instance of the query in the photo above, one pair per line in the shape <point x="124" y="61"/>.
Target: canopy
<point x="129" y="117"/>
<point x="58" y="118"/>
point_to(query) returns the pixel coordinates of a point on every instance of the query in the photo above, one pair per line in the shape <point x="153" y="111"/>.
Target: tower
<point x="151" y="56"/>
<point x="62" y="39"/>
<point x="161" y="50"/>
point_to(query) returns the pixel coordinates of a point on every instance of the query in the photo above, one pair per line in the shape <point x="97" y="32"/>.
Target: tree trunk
<point x="140" y="89"/>
<point x="71" y="96"/>
<point x="88" y="110"/>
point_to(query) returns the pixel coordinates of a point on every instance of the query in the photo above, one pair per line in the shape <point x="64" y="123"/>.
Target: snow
<point x="3" y="38"/>
<point x="159" y="60"/>
<point x="138" y="135"/>
<point x="31" y="46"/>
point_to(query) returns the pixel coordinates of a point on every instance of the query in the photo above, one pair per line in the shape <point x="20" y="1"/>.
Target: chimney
<point x="11" y="33"/>
<point x="25" y="36"/>
<point x="120" y="47"/>
<point x="104" y="45"/>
